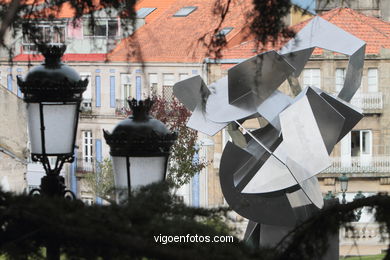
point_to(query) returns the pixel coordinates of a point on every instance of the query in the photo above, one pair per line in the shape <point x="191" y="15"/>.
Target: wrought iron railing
<point x="121" y="107"/>
<point x="84" y="166"/>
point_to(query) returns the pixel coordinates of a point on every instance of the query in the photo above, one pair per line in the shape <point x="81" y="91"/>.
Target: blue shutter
<point x="73" y="179"/>
<point x="99" y="159"/>
<point x="138" y="88"/>
<point x="19" y="92"/>
<point x="9" y="82"/>
<point x="112" y="91"/>
<point x="98" y="145"/>
<point x="195" y="184"/>
<point x="98" y="91"/>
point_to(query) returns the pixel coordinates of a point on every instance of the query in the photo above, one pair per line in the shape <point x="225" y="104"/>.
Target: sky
<point x="309" y="4"/>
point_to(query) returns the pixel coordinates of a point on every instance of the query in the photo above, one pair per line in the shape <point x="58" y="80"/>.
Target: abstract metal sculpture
<point x="269" y="175"/>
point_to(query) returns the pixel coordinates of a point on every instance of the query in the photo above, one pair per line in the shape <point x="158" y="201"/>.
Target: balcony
<point x="364" y="239"/>
<point x="121" y="107"/>
<point x="371" y="103"/>
<point x="359" y="165"/>
<point x="85" y="167"/>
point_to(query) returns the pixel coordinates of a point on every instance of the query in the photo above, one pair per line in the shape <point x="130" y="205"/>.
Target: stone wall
<point x="13" y="141"/>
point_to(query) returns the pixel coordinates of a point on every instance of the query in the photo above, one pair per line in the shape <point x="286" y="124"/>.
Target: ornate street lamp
<point x="139" y="147"/>
<point x="329" y="196"/>
<point x="53" y="93"/>
<point x="343" y="185"/>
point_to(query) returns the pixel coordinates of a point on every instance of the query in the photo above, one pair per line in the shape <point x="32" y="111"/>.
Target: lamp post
<point x="343" y="179"/>
<point x="139" y="147"/>
<point x="53" y="93"/>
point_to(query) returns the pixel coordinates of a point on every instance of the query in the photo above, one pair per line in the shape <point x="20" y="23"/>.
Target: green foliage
<point x="101" y="182"/>
<point x="128" y="231"/>
<point x="111" y="232"/>
<point x="182" y="166"/>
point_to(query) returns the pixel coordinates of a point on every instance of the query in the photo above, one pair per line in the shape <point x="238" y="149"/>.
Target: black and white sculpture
<point x="270" y="177"/>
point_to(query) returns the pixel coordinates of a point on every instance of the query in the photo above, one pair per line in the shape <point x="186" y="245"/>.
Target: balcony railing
<point x="363" y="233"/>
<point x="121" y="107"/>
<point x="369" y="102"/>
<point x="85" y="167"/>
<point x="374" y="164"/>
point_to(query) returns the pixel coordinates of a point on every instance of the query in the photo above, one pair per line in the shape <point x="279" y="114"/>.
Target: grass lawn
<point x="367" y="257"/>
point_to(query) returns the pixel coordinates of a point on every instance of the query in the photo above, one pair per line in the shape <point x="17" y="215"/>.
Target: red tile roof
<point x="160" y="5"/>
<point x="66" y="57"/>
<point x="375" y="32"/>
<point x="177" y="39"/>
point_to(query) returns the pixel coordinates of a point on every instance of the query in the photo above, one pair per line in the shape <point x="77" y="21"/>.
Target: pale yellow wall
<point x="13" y="140"/>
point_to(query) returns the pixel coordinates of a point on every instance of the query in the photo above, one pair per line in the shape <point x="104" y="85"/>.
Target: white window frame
<point x="87" y="144"/>
<point x="153" y="83"/>
<point x="105" y="20"/>
<point x="312" y="77"/>
<point x="126" y="86"/>
<point x="87" y="94"/>
<point x="372" y="80"/>
<point x="362" y="133"/>
<point x="30" y="47"/>
<point x="339" y="78"/>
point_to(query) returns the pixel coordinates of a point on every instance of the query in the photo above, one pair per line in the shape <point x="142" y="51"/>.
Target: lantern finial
<point x="140" y="108"/>
<point x="52" y="53"/>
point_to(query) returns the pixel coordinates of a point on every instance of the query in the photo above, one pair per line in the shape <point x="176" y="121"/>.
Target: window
<point x="361" y="142"/>
<point x="225" y="31"/>
<point x="340" y="78"/>
<point x="372" y="75"/>
<point x="168" y="82"/>
<point x="312" y="78"/>
<point x="153" y="82"/>
<point x="143" y="12"/>
<point x="183" y="76"/>
<point x="87" y="147"/>
<point x="103" y="28"/>
<point x="185" y="11"/>
<point x="125" y="86"/>
<point x="86" y="104"/>
<point x="50" y="33"/>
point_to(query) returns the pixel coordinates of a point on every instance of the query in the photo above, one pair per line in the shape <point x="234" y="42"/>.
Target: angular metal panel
<point x="298" y="59"/>
<point x="330" y="122"/>
<point x="218" y="108"/>
<point x="272" y="106"/>
<point x="351" y="114"/>
<point x="321" y="33"/>
<point x="199" y="122"/>
<point x="271" y="208"/>
<point x="191" y="92"/>
<point x="309" y="186"/>
<point x="353" y="78"/>
<point x="258" y="76"/>
<point x="302" y="140"/>
<point x="272" y="176"/>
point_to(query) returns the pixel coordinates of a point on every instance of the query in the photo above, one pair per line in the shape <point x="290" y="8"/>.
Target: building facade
<point x="13" y="142"/>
